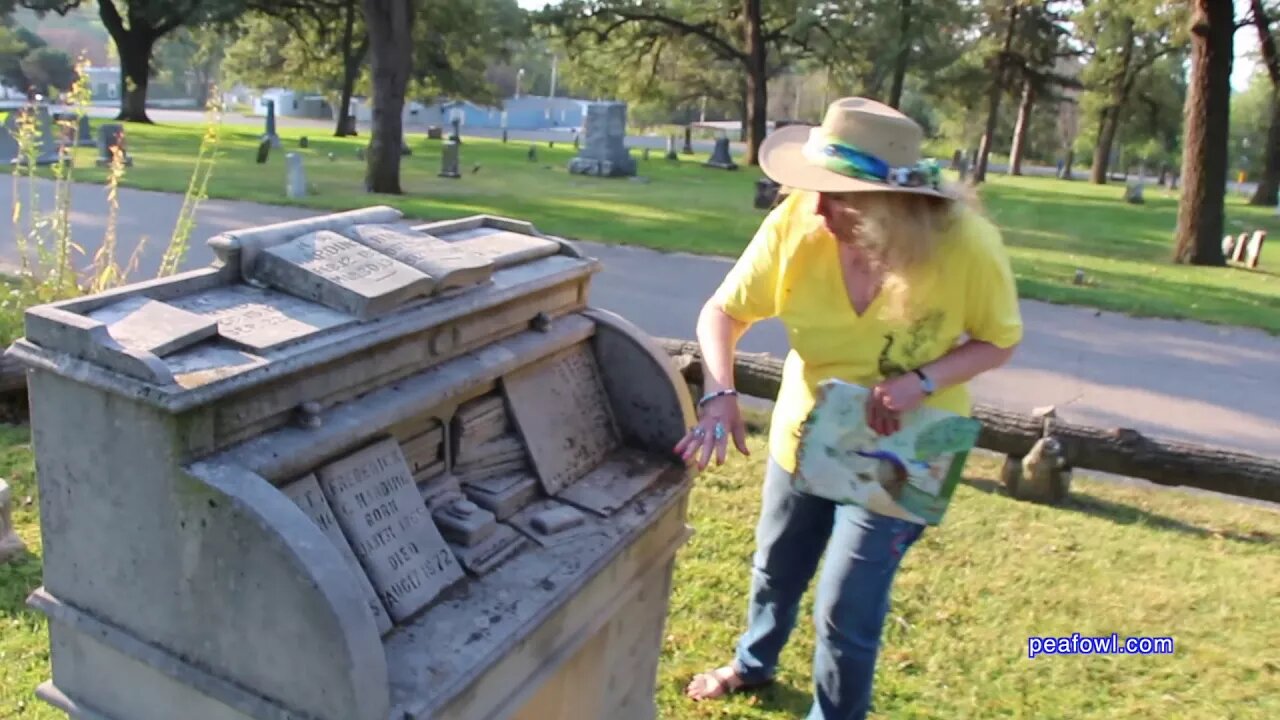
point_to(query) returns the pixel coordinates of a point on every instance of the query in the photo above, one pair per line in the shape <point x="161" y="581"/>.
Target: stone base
<point x="721" y="166"/>
<point x="624" y="167"/>
<point x="128" y="162"/>
<point x="454" y="175"/>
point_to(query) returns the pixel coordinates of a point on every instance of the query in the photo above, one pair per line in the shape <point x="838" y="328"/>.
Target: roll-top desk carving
<point x="358" y="469"/>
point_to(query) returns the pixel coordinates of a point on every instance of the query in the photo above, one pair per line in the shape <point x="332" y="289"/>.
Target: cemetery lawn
<point x="1116" y="559"/>
<point x="1052" y="227"/>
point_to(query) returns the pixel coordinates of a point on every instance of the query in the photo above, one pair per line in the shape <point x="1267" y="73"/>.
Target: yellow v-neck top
<point x="791" y="271"/>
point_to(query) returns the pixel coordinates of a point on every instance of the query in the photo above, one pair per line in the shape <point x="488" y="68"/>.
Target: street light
<point x="519" y="77"/>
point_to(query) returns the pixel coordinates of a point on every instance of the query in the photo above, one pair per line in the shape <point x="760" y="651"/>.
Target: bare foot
<point x="714" y="684"/>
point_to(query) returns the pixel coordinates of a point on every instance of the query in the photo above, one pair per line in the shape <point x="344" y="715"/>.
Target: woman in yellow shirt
<point x="882" y="277"/>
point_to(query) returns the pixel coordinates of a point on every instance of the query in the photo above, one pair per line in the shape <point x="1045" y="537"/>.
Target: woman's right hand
<point x="720" y="418"/>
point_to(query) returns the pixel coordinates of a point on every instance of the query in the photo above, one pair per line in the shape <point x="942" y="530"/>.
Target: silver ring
<point x="699" y="431"/>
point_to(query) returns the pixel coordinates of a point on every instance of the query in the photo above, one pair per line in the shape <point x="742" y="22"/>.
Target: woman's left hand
<point x="891" y="398"/>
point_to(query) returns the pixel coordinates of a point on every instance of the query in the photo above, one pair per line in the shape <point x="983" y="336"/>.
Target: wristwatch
<point x="926" y="383"/>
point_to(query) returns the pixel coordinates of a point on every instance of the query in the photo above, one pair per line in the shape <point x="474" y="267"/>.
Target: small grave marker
<point x="720" y="157"/>
<point x="11" y="546"/>
<point x="449" y="160"/>
<point x="111" y="137"/>
<point x="296" y="176"/>
<point x="270" y="135"/>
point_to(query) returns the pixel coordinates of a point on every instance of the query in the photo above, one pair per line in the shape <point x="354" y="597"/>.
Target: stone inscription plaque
<point x="560" y="406"/>
<point x="259" y="320"/>
<point x="140" y="323"/>
<point x="447" y="265"/>
<point x="378" y="506"/>
<point x="308" y="496"/>
<point x="340" y="273"/>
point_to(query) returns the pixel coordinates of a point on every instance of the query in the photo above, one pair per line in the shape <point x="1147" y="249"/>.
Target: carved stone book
<point x="910" y="474"/>
<point x="339" y="273"/>
<point x="448" y="265"/>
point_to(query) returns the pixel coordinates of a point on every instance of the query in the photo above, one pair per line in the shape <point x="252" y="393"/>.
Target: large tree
<point x="390" y="24"/>
<point x="874" y="45"/>
<point x="1206" y="118"/>
<point x="137" y="25"/>
<point x="1004" y="20"/>
<point x="1127" y="39"/>
<point x="316" y="45"/>
<point x="742" y="32"/>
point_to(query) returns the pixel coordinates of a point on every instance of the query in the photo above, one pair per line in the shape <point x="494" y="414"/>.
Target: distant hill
<point x="79" y="31"/>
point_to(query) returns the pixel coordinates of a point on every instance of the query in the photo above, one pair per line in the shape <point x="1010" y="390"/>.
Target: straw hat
<point x="861" y="146"/>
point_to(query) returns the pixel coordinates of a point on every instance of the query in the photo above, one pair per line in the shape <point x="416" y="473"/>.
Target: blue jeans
<point x="863" y="550"/>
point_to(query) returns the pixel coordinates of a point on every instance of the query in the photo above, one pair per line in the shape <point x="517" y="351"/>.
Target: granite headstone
<point x="605" y="153"/>
<point x="720" y="157"/>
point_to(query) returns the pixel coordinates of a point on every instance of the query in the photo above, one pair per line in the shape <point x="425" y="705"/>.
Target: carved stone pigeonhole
<point x="358" y="469"/>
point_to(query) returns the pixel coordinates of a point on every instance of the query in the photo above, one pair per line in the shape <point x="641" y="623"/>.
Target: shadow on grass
<point x="1127" y="515"/>
<point x="18" y="578"/>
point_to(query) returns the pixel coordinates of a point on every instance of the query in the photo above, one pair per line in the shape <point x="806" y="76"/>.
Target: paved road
<point x="1182" y="380"/>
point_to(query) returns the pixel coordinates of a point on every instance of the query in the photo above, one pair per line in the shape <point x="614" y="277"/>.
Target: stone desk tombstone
<point x="374" y="470"/>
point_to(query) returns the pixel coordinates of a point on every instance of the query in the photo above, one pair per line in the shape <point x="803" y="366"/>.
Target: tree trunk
<point x="1067" y="163"/>
<point x="135" y="74"/>
<point x="1269" y="185"/>
<point x="757" y="81"/>
<point x="1022" y="128"/>
<point x="1121" y="451"/>
<point x="390" y="27"/>
<point x="1201" y="212"/>
<point x="993" y="97"/>
<point x="1102" y="150"/>
<point x="1110" y="121"/>
<point x="352" y="58"/>
<point x="903" y="58"/>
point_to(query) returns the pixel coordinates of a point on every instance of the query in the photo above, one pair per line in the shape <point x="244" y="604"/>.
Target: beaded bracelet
<point x="712" y="396"/>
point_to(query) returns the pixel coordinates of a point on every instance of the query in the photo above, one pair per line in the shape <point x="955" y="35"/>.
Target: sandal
<point x="718" y="683"/>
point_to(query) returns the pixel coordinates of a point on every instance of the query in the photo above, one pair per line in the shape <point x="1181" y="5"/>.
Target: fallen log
<point x="1119" y="451"/>
<point x="13" y="375"/>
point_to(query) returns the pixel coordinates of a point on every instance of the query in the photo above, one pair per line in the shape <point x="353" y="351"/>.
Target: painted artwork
<point x="910" y="474"/>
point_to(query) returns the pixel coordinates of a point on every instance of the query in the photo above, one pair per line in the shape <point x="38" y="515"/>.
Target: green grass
<point x="1052" y="227"/>
<point x="1124" y="560"/>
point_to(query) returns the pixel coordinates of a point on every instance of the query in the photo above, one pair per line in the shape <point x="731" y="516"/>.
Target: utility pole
<point x="554" y="59"/>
